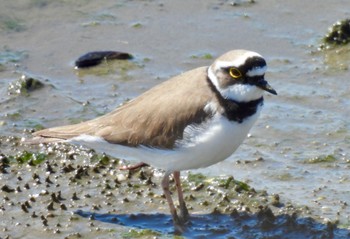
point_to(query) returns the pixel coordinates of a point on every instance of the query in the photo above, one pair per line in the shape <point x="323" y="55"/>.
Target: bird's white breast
<point x="202" y="146"/>
<point x="215" y="142"/>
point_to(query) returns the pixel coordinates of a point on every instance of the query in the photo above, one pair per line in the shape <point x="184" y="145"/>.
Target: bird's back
<point x="144" y="120"/>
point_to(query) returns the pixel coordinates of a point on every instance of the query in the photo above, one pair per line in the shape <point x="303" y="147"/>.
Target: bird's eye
<point x="235" y="73"/>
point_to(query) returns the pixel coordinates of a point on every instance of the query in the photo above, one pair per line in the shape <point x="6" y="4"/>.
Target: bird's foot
<point x="184" y="215"/>
<point x="133" y="167"/>
<point x="179" y="225"/>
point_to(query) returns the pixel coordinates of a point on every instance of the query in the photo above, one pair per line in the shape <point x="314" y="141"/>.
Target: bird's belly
<point x="219" y="140"/>
<point x="202" y="145"/>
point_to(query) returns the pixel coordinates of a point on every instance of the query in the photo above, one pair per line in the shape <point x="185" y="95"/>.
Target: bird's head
<point x="240" y="75"/>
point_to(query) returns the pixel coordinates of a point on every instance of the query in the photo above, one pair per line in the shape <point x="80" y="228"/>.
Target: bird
<point x="193" y="120"/>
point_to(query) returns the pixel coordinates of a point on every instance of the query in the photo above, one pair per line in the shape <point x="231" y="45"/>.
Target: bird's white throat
<point x="236" y="92"/>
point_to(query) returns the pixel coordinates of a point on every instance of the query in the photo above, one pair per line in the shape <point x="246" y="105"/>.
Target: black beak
<point x="262" y="84"/>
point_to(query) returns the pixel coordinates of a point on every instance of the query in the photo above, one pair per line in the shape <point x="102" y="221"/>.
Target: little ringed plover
<point x="192" y="120"/>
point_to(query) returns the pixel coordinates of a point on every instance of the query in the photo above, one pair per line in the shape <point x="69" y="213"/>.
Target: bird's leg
<point x="184" y="215"/>
<point x="177" y="223"/>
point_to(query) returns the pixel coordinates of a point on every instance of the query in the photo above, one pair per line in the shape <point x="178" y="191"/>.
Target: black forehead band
<point x="250" y="64"/>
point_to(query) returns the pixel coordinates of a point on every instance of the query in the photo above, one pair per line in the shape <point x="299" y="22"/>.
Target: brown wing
<point x="145" y="120"/>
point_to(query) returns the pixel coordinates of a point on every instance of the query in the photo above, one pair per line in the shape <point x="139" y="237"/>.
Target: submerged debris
<point x="96" y="57"/>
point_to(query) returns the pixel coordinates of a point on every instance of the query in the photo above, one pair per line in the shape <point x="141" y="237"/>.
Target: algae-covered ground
<point x="63" y="191"/>
<point x="290" y="177"/>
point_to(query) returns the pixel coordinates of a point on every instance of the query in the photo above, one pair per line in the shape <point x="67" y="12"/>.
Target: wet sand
<point x="302" y="135"/>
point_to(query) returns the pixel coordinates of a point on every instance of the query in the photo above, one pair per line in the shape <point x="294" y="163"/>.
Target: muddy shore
<point x="296" y="157"/>
<point x="63" y="191"/>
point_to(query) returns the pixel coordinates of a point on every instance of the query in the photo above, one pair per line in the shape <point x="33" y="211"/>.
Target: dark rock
<point x="24" y="85"/>
<point x="339" y="33"/>
<point x="96" y="57"/>
<point x="7" y="189"/>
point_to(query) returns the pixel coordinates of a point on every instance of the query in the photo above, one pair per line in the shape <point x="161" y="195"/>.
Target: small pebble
<point x="63" y="206"/>
<point x="54" y="198"/>
<point x="48" y="180"/>
<point x="75" y="197"/>
<point x="59" y="196"/>
<point x="50" y="207"/>
<point x="26" y="203"/>
<point x="24" y="208"/>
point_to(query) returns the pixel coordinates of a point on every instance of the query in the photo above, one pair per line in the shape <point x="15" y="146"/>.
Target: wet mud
<point x="64" y="191"/>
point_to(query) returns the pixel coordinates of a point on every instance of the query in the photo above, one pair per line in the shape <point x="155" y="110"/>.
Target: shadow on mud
<point x="236" y="225"/>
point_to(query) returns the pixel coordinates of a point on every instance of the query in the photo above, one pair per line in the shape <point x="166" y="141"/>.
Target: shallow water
<point x="307" y="120"/>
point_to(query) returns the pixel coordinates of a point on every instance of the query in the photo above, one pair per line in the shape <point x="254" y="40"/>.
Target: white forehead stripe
<point x="257" y="71"/>
<point x="238" y="62"/>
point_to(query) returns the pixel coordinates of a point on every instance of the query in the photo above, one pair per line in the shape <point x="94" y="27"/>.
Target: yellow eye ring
<point x="235" y="73"/>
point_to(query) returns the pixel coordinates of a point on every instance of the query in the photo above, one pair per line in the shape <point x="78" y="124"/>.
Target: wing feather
<point x="145" y="120"/>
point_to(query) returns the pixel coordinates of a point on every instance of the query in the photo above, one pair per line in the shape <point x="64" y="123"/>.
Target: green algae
<point x="121" y="68"/>
<point x="101" y="19"/>
<point x="24" y="85"/>
<point x="339" y="34"/>
<point x="137" y="25"/>
<point x="284" y="177"/>
<point x="101" y="159"/>
<point x="337" y="58"/>
<point x="14" y="116"/>
<point x="29" y="158"/>
<point x="12" y="56"/>
<point x="205" y="56"/>
<point x="226" y="182"/>
<point x="230" y="182"/>
<point x="335" y="45"/>
<point x="146" y="233"/>
<point x="12" y="24"/>
<point x="196" y="177"/>
<point x="33" y="124"/>
<point x="321" y="159"/>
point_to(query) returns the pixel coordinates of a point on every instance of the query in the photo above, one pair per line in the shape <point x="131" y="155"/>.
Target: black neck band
<point x="234" y="110"/>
